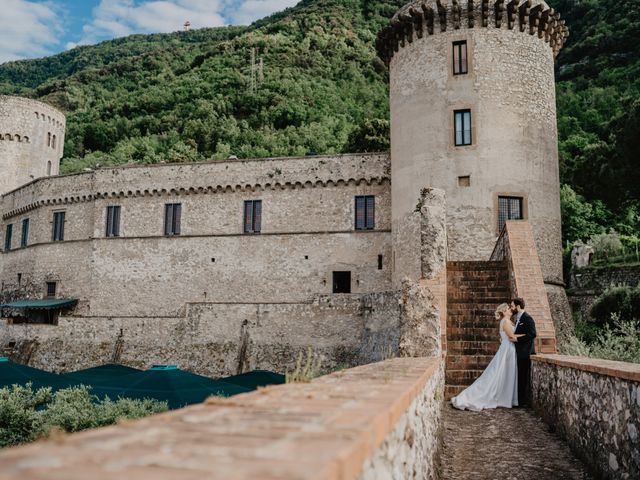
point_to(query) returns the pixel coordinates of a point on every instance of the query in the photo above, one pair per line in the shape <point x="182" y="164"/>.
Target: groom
<point x="525" y="326"/>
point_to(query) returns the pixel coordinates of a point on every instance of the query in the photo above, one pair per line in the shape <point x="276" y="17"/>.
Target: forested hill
<point x="189" y="96"/>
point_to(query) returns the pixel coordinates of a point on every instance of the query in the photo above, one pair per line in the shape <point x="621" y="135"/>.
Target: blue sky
<point x="37" y="28"/>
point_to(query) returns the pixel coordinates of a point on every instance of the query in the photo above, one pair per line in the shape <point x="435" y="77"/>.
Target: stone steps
<point x="474" y="291"/>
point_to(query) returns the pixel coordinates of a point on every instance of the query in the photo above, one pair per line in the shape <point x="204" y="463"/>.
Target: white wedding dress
<point x="498" y="384"/>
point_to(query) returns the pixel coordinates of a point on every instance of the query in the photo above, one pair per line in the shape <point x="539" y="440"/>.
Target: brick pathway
<point x="505" y="444"/>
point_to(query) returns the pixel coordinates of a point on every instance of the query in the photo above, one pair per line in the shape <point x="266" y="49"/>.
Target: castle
<point x="225" y="266"/>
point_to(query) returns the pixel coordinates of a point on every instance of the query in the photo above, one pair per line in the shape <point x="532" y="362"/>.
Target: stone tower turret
<point x="473" y="112"/>
<point x="31" y="141"/>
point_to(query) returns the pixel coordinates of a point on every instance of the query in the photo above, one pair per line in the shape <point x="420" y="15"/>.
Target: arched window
<point x="26" y="139"/>
<point x="53" y="144"/>
<point x="49" y="139"/>
<point x="37" y="115"/>
<point x="49" y="169"/>
<point x="17" y="138"/>
<point x="7" y="136"/>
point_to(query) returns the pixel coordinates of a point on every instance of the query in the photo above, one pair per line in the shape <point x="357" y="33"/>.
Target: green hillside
<point x="190" y="96"/>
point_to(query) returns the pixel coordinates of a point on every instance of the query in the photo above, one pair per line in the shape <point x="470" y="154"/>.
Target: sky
<point x="37" y="28"/>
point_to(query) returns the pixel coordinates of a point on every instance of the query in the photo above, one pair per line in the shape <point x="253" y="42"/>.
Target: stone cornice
<point x="202" y="190"/>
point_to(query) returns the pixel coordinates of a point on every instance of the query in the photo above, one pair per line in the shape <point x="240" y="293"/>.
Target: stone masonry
<point x="595" y="405"/>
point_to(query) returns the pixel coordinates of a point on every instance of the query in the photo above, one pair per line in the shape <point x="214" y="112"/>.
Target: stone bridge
<point x="385" y="420"/>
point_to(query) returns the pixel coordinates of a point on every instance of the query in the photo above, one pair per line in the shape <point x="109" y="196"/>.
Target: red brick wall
<point x="526" y="278"/>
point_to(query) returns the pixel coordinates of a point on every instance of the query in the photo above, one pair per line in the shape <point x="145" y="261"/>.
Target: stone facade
<point x="595" y="405"/>
<point x="213" y="299"/>
<point x="31" y="141"/>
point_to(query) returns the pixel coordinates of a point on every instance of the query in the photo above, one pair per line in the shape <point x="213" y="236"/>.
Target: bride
<point x="498" y="384"/>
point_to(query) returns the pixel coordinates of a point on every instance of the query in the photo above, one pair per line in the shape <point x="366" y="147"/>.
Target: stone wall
<point x="585" y="285"/>
<point x="219" y="339"/>
<point x="378" y="421"/>
<point x="595" y="405"/>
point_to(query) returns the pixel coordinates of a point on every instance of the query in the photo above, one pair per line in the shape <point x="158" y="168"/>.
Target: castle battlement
<point x="11" y="137"/>
<point x="415" y="19"/>
<point x="31" y="141"/>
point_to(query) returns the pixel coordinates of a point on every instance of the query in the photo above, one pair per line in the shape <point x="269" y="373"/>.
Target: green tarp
<point x="103" y="373"/>
<point x="166" y="383"/>
<point x="12" y="373"/>
<point x="46" y="304"/>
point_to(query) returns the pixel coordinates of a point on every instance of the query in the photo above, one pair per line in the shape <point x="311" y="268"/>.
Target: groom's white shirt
<point x="518" y="317"/>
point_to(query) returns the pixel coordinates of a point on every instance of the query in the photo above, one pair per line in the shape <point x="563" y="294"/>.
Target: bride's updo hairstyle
<point x="501" y="311"/>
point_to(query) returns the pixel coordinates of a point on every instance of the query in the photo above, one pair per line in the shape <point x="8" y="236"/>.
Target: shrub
<point x="606" y="245"/>
<point x="623" y="301"/>
<point x="27" y="414"/>
<point x="620" y="342"/>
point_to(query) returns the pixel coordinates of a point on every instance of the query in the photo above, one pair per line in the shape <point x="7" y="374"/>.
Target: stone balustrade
<point x="375" y="421"/>
<point x="595" y="405"/>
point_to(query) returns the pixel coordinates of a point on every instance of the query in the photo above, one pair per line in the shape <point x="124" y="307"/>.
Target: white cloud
<point x="252" y="10"/>
<point x="28" y="29"/>
<point x="117" y="18"/>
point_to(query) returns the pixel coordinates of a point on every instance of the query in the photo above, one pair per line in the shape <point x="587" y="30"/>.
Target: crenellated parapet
<point x="14" y="137"/>
<point x="428" y="17"/>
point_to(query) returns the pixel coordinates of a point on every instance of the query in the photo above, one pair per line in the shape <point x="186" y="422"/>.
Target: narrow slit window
<point x="7" y="237"/>
<point x="58" y="226"/>
<point x="460" y="57"/>
<point x="48" y="139"/>
<point x="462" y="121"/>
<point x="172" y="219"/>
<point x="113" y="221"/>
<point x="509" y="208"/>
<point x="252" y="216"/>
<point x="24" y="241"/>
<point x="365" y="212"/>
<point x="379" y="262"/>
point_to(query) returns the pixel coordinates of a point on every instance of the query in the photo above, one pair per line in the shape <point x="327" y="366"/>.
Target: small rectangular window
<point x="51" y="289"/>
<point x="464" y="181"/>
<point x="509" y="208"/>
<point x="113" y="221"/>
<point x="379" y="262"/>
<point x="24" y="241"/>
<point x="7" y="237"/>
<point x="460" y="57"/>
<point x="252" y="216"/>
<point x="172" y="217"/>
<point x="58" y="226"/>
<point x="462" y="121"/>
<point x="365" y="212"/>
<point x="341" y="282"/>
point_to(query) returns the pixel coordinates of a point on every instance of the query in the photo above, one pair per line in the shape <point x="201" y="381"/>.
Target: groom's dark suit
<point x="525" y="348"/>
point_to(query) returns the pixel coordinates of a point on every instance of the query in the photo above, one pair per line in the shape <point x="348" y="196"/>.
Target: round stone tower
<point x="473" y="112"/>
<point x="31" y="141"/>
